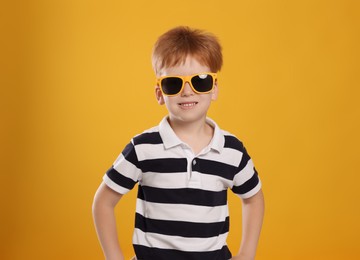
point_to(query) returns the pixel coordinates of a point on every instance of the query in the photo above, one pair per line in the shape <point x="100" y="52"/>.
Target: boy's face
<point x="187" y="106"/>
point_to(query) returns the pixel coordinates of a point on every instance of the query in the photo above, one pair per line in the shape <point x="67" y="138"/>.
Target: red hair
<point x="173" y="47"/>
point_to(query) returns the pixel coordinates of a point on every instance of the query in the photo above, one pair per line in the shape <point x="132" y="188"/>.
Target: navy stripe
<point x="164" y="165"/>
<point x="244" y="160"/>
<point x="181" y="228"/>
<point x="129" y="154"/>
<point x="233" y="142"/>
<point x="120" y="179"/>
<point x="215" y="168"/>
<point x="148" y="138"/>
<point x="183" y="196"/>
<point x="248" y="185"/>
<point x="146" y="253"/>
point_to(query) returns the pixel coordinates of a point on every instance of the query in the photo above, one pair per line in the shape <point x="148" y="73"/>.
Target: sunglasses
<point x="201" y="83"/>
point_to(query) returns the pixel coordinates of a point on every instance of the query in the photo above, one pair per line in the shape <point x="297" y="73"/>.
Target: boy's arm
<point x="252" y="218"/>
<point x="104" y="204"/>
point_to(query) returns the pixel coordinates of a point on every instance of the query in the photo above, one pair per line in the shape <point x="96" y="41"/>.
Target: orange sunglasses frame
<point x="187" y="79"/>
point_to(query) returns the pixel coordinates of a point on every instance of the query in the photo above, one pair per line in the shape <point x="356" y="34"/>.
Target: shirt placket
<point x="193" y="174"/>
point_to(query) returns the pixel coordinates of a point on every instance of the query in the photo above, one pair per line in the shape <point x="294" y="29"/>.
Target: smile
<point x="188" y="104"/>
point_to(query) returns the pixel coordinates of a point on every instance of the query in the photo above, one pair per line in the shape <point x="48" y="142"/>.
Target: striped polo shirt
<point x="181" y="208"/>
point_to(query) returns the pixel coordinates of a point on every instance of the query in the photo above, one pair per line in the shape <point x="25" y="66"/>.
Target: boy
<point x="184" y="166"/>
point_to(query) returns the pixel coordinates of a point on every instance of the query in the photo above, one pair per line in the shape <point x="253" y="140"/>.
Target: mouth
<point x="187" y="104"/>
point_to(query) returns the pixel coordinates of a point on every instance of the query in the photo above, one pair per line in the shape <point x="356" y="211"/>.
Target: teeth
<point x="188" y="104"/>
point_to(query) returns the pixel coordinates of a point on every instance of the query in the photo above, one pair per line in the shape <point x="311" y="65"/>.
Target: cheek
<point x="169" y="102"/>
<point x="208" y="98"/>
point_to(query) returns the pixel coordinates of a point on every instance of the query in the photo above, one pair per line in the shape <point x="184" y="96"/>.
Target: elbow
<point x="258" y="198"/>
<point x="105" y="199"/>
<point x="97" y="202"/>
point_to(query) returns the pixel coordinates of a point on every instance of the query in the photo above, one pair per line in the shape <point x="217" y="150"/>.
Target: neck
<point x="196" y="128"/>
<point x="197" y="134"/>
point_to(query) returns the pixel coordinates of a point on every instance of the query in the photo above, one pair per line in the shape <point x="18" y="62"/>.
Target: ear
<point x="214" y="92"/>
<point x="159" y="95"/>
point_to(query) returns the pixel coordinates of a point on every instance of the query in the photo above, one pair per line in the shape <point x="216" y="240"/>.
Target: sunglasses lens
<point x="203" y="82"/>
<point x="171" y="85"/>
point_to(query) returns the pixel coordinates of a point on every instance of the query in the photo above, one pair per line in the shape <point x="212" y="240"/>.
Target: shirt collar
<point x="170" y="139"/>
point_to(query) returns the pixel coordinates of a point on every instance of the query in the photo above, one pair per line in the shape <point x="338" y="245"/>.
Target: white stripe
<point x="244" y="175"/>
<point x="180" y="180"/>
<point x="174" y="180"/>
<point x="157" y="151"/>
<point x="150" y="130"/>
<point x="226" y="133"/>
<point x="214" y="182"/>
<point x="112" y="185"/>
<point x="179" y="243"/>
<point x="126" y="168"/>
<point x="227" y="156"/>
<point x="181" y="212"/>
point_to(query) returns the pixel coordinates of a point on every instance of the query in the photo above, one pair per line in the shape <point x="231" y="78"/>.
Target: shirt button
<point x="194" y="162"/>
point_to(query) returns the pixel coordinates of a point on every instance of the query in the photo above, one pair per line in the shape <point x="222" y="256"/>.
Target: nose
<point x="187" y="90"/>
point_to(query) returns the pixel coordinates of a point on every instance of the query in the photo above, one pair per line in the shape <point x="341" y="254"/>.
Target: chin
<point x="188" y="118"/>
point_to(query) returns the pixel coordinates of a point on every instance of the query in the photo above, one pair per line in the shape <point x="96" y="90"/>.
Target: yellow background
<point x="77" y="84"/>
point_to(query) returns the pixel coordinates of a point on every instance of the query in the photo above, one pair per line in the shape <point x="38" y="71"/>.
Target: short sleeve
<point x="246" y="182"/>
<point x="125" y="172"/>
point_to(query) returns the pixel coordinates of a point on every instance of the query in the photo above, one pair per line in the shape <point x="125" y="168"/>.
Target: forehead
<point x="189" y="66"/>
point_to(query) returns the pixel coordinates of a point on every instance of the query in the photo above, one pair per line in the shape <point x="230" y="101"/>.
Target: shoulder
<point x="149" y="136"/>
<point x="231" y="141"/>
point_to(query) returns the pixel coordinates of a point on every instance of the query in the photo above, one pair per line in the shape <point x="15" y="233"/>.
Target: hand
<point x="241" y="257"/>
